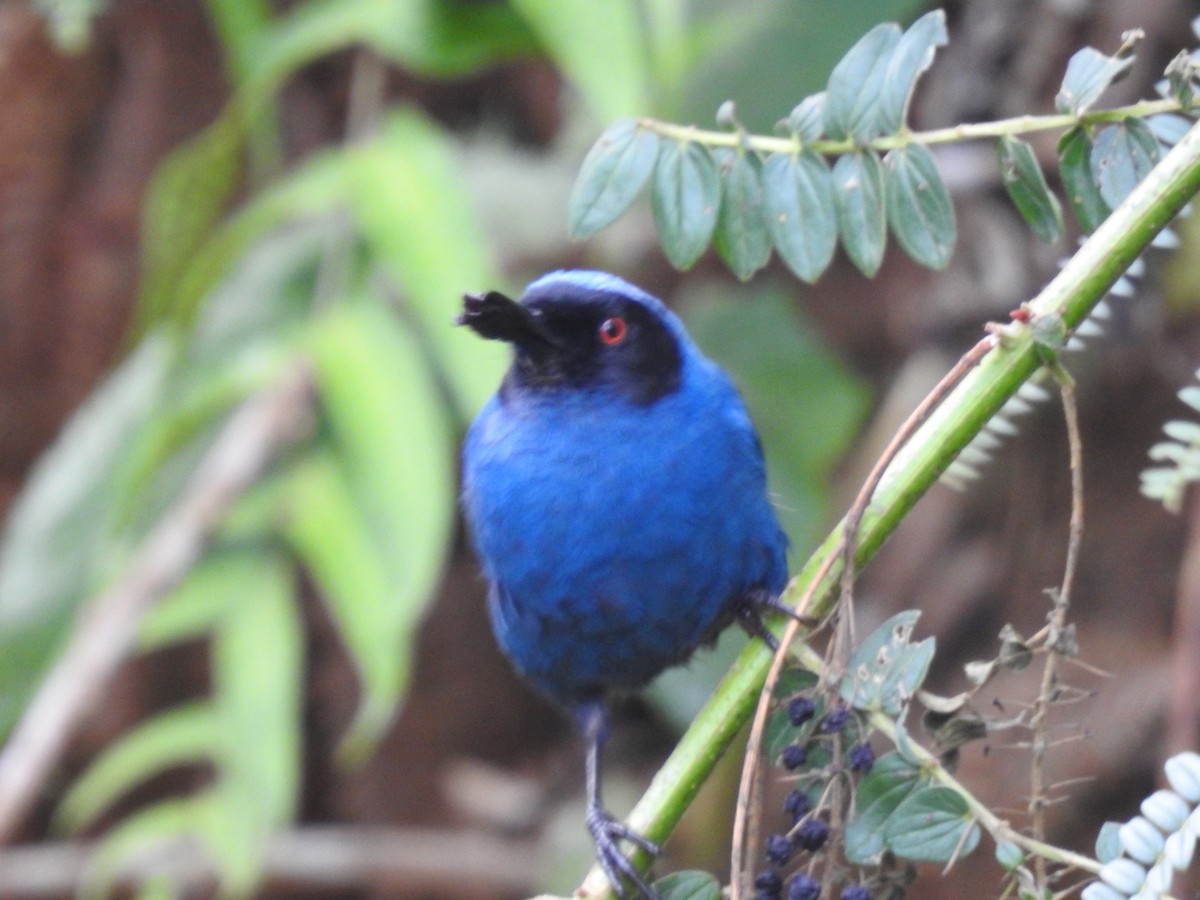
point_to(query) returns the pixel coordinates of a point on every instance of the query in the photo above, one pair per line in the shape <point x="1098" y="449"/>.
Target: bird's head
<point x="584" y="330"/>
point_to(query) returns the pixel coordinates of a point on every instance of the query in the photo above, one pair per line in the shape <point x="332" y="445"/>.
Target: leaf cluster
<point x="753" y="195"/>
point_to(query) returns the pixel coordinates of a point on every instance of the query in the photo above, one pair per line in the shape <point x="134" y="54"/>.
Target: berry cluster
<point x="820" y="732"/>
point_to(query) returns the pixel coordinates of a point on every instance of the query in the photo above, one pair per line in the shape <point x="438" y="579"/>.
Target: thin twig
<point x="1058" y="621"/>
<point x="106" y="628"/>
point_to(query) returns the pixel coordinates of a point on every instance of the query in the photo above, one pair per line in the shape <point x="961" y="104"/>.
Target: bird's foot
<point x="607" y="833"/>
<point x="749" y="614"/>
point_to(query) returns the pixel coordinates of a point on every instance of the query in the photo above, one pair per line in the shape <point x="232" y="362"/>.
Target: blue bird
<point x="616" y="493"/>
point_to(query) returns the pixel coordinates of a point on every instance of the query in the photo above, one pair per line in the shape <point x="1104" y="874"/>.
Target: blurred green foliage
<point x="350" y="263"/>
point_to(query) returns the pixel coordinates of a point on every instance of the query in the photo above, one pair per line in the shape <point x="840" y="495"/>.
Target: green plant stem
<point x="974" y="131"/>
<point x="1071" y="295"/>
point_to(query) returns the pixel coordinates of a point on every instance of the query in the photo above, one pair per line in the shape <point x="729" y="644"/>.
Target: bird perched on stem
<point x="616" y="492"/>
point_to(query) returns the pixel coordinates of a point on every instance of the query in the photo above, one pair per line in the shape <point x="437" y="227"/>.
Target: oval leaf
<point x="891" y="781"/>
<point x="852" y="97"/>
<point x="806" y="121"/>
<point x="688" y="885"/>
<point x="918" y="206"/>
<point x="886" y="669"/>
<point x="1075" y="167"/>
<point x="932" y="824"/>
<point x="742" y="238"/>
<point x="685" y="196"/>
<point x="1088" y="73"/>
<point x="861" y="211"/>
<point x="1026" y="185"/>
<point x="613" y="173"/>
<point x="1122" y="156"/>
<point x="913" y="55"/>
<point x="800" y="211"/>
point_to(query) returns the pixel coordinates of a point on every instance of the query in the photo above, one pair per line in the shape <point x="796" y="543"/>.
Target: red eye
<point x="612" y="331"/>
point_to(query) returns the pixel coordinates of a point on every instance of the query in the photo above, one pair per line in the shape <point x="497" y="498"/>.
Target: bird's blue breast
<point x="617" y="537"/>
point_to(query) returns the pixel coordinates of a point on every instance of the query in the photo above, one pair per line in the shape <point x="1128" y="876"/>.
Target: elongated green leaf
<point x="742" y="237"/>
<point x="395" y="452"/>
<point x="185" y="735"/>
<point x="149" y="826"/>
<point x="912" y="56"/>
<point x="186" y="198"/>
<point x="1075" y="166"/>
<point x="918" y="205"/>
<point x="58" y="539"/>
<point x="891" y="781"/>
<point x="613" y="174"/>
<point x="932" y="824"/>
<point x="197" y="604"/>
<point x="800" y="211"/>
<point x="807" y="120"/>
<point x="417" y="217"/>
<point x="686" y="194"/>
<point x="1122" y="156"/>
<point x="861" y="208"/>
<point x="852" y="97"/>
<point x="240" y="24"/>
<point x="257" y="683"/>
<point x="600" y="46"/>
<point x="1026" y="185"/>
<point x="1088" y="74"/>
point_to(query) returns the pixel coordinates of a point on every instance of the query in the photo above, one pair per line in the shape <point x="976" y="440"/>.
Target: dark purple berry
<point x="768" y="883"/>
<point x="803" y="887"/>
<point x="811" y="834"/>
<point x="855" y="892"/>
<point x="861" y="757"/>
<point x="794" y="756"/>
<point x="797" y="805"/>
<point x="800" y="710"/>
<point x="835" y="719"/>
<point x="779" y="849"/>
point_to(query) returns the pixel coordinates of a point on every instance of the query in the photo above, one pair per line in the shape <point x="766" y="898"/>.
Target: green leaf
<point x="1088" y="74"/>
<point x="197" y="604"/>
<point x="149" y="826"/>
<point x="912" y="56"/>
<point x="856" y="84"/>
<point x="688" y="885"/>
<point x="891" y="781"/>
<point x="919" y="209"/>
<point x="742" y="237"/>
<point x="1122" y="156"/>
<point x="613" y="174"/>
<point x="807" y="120"/>
<point x="800" y="211"/>
<point x="1026" y="185"/>
<point x="257" y="662"/>
<point x="394" y="464"/>
<point x="1009" y="855"/>
<point x="861" y="208"/>
<point x="58" y="541"/>
<point x="418" y="219"/>
<point x="932" y="824"/>
<point x="187" y="196"/>
<point x="600" y="46"/>
<point x="1075" y="167"/>
<point x="185" y="735"/>
<point x="685" y="197"/>
<point x="886" y="669"/>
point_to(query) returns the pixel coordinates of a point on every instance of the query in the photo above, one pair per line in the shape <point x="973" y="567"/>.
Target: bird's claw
<point x="607" y="833"/>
